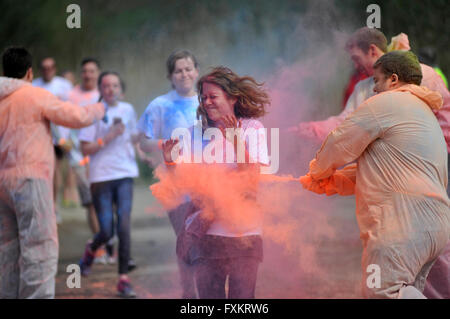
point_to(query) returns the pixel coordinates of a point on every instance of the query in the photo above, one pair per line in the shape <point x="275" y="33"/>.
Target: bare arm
<point x="89" y="148"/>
<point x="148" y="145"/>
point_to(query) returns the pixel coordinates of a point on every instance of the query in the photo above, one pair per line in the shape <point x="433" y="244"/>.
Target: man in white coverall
<point x="365" y="47"/>
<point x="28" y="235"/>
<point x="399" y="179"/>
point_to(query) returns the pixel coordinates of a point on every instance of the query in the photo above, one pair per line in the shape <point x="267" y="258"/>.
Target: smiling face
<point x="184" y="76"/>
<point x="216" y="101"/>
<point x="110" y="89"/>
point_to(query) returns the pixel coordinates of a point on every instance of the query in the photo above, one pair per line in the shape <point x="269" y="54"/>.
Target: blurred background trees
<point x="134" y="37"/>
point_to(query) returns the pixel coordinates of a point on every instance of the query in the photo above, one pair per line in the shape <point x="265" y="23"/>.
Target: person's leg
<point x="57" y="181"/>
<point x="9" y="249"/>
<point x="187" y="273"/>
<point x="437" y="285"/>
<point x="448" y="172"/>
<point x="210" y="277"/>
<point x="438" y="281"/>
<point x="242" y="280"/>
<point x="38" y="239"/>
<point x="70" y="195"/>
<point x="410" y="292"/>
<point x="177" y="218"/>
<point x="124" y="198"/>
<point x="419" y="283"/>
<point x="389" y="267"/>
<point x="84" y="193"/>
<point x="102" y="194"/>
<point x="92" y="219"/>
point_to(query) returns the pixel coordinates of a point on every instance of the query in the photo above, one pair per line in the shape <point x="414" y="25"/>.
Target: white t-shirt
<point x="258" y="151"/>
<point x="57" y="86"/>
<point x="166" y="113"/>
<point x="117" y="159"/>
<point x="82" y="98"/>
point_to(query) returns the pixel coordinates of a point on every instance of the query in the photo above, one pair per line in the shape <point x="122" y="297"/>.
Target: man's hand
<point x="312" y="185"/>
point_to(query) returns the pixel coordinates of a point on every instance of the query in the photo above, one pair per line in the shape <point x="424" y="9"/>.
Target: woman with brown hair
<point x="219" y="249"/>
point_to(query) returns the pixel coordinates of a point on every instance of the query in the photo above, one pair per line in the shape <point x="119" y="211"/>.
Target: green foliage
<point x="135" y="37"/>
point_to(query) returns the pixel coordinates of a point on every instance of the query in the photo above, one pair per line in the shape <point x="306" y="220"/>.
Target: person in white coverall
<point x="28" y="234"/>
<point x="399" y="179"/>
<point x="365" y="47"/>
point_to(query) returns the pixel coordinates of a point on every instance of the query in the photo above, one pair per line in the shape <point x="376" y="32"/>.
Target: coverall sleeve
<point x="69" y="114"/>
<point x="322" y="128"/>
<point x="443" y="114"/>
<point x="347" y="142"/>
<point x="342" y="182"/>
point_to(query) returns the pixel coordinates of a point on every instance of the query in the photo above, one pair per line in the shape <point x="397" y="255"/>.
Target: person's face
<point x="110" y="89"/>
<point x="89" y="75"/>
<point x="363" y="61"/>
<point x="48" y="69"/>
<point x="216" y="101"/>
<point x="382" y="82"/>
<point x="184" y="76"/>
<point x="69" y="76"/>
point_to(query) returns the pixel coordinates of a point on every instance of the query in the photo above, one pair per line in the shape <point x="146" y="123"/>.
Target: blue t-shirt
<point x="166" y="113"/>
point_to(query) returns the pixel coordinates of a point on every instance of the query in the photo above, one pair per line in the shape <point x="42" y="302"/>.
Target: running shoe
<point x="125" y="290"/>
<point x="87" y="260"/>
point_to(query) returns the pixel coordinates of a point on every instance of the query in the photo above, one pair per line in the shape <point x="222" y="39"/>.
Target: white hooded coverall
<point x="400" y="177"/>
<point x="28" y="235"/>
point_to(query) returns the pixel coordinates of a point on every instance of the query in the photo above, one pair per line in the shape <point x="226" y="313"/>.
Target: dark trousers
<point x="211" y="275"/>
<point x="177" y="218"/>
<point x="104" y="196"/>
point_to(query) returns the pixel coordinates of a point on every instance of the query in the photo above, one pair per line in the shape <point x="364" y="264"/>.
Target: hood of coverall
<point x="432" y="98"/>
<point x="10" y="85"/>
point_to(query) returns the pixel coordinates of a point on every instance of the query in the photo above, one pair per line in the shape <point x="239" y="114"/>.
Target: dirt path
<point x="153" y="248"/>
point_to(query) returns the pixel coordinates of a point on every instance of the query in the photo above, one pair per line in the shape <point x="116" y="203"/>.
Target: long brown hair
<point x="252" y="99"/>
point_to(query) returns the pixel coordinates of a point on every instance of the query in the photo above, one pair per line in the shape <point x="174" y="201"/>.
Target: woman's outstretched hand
<point x="167" y="147"/>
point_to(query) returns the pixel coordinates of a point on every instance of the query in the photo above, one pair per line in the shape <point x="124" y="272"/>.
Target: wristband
<point x="84" y="161"/>
<point x="100" y="142"/>
<point x="170" y="163"/>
